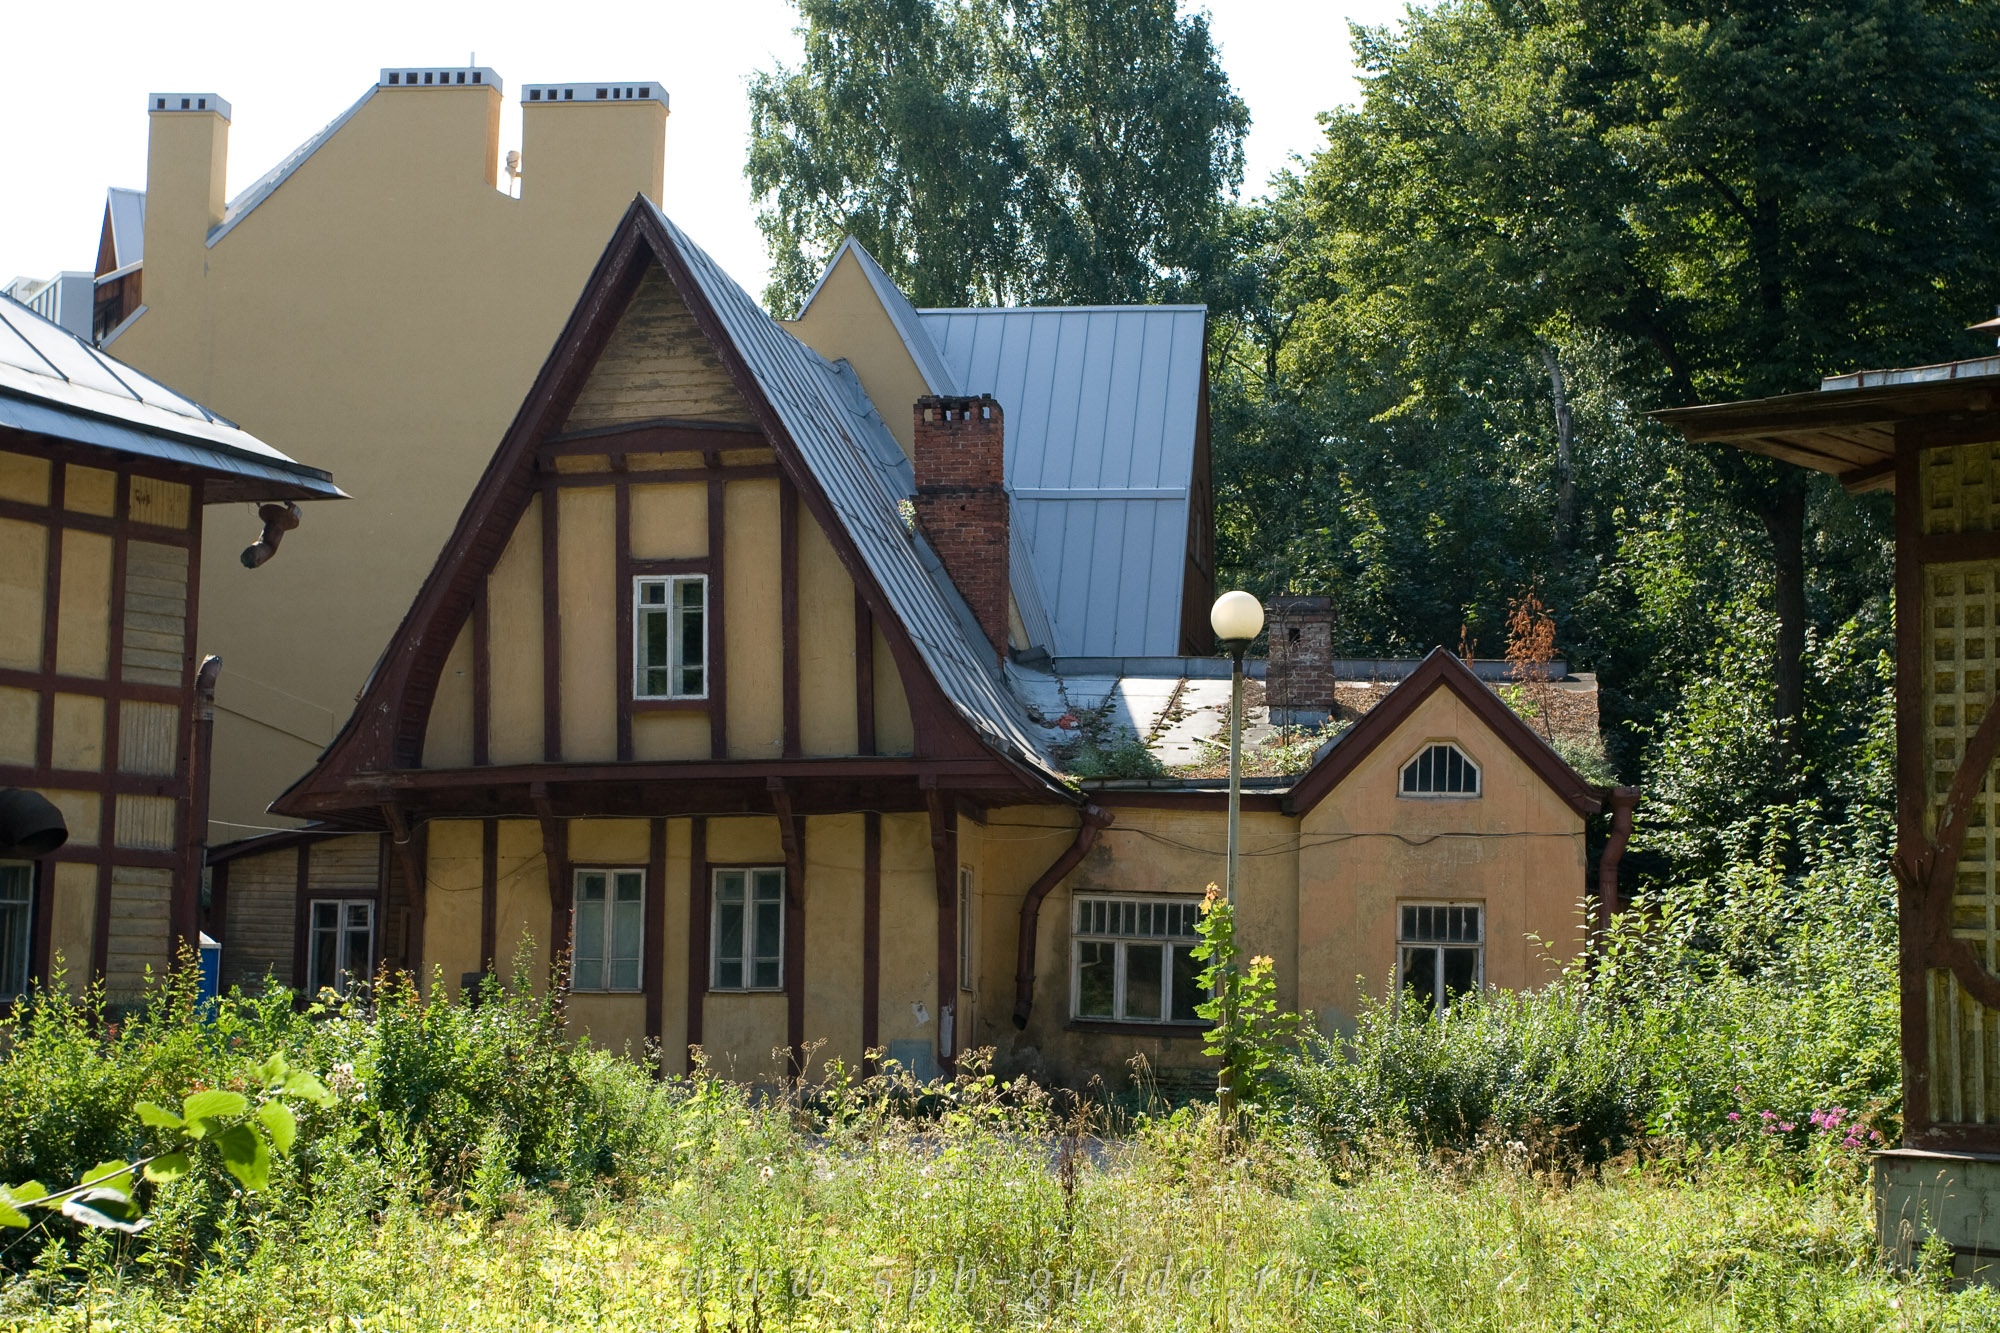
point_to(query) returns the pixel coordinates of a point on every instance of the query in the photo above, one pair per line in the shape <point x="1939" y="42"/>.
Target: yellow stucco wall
<point x="381" y="315"/>
<point x="846" y="320"/>
<point x="514" y="623"/>
<point x="1516" y="849"/>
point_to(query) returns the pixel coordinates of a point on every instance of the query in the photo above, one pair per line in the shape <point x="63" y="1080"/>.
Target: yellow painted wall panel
<point x="82" y="812"/>
<point x="24" y="573"/>
<point x="614" y="1022"/>
<point x="90" y="490"/>
<point x="79" y="732"/>
<point x="73" y="923"/>
<point x="753" y="617"/>
<point x="586" y="564"/>
<point x="448" y="732"/>
<point x="909" y="1001"/>
<point x="670" y="953"/>
<point x="521" y="901"/>
<point x="452" y="906"/>
<point x="670" y="522"/>
<point x="833" y="900"/>
<point x="895" y="733"/>
<point x="24" y="478"/>
<point x="739" y="1033"/>
<point x="625" y="842"/>
<point x="20" y="722"/>
<point x="83" y="622"/>
<point x="745" y="839"/>
<point x="514" y="623"/>
<point x="664" y="736"/>
<point x="164" y="504"/>
<point x="826" y="645"/>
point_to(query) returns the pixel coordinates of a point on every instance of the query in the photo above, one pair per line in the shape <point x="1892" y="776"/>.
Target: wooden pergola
<point x="1932" y="436"/>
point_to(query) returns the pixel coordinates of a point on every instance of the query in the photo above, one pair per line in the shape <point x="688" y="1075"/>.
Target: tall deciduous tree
<point x="1744" y="194"/>
<point x="1000" y="150"/>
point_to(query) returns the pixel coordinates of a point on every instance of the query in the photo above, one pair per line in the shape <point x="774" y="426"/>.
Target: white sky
<point x="76" y="119"/>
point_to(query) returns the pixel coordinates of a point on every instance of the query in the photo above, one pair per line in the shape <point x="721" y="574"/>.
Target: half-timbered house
<point x="104" y="476"/>
<point x="724" y="691"/>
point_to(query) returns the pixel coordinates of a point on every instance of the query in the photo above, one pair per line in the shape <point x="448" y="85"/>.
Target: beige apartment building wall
<point x="382" y="312"/>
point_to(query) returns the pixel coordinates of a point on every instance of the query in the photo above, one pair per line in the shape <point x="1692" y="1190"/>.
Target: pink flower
<point x="1787" y="1126"/>
<point x="1735" y="1115"/>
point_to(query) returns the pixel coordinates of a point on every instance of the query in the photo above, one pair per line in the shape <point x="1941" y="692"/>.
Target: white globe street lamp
<point x="1236" y="618"/>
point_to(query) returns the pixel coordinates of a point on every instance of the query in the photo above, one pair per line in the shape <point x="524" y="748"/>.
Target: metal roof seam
<point x="267" y="184"/>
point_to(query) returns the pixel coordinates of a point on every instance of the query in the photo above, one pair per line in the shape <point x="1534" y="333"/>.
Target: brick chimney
<point x="962" y="502"/>
<point x="1298" y="680"/>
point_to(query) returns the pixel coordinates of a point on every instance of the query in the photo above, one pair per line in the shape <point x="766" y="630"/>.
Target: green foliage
<point x="999" y="151"/>
<point x="1120" y="755"/>
<point x="1247" y="1030"/>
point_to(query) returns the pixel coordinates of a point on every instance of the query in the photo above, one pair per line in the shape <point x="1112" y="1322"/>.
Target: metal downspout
<point x="1624" y="800"/>
<point x="1094" y="820"/>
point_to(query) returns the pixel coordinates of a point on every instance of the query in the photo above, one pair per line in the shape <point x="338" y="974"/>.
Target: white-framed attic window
<point x="1440" y="770"/>
<point x="670" y="637"/>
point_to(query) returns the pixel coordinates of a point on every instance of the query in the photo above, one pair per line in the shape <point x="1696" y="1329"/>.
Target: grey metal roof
<point x="126" y="210"/>
<point x="56" y="384"/>
<point x="1102" y="405"/>
<point x="262" y="188"/>
<point x="819" y="412"/>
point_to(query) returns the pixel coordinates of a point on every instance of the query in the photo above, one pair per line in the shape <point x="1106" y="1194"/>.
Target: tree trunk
<point x="1784" y="518"/>
<point x="1565" y="459"/>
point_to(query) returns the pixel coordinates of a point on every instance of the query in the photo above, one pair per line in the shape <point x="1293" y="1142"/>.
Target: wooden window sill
<point x="1109" y="1028"/>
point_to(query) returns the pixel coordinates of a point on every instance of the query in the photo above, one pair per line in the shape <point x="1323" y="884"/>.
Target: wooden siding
<point x="263" y="917"/>
<point x="148" y="737"/>
<point x="137" y="938"/>
<point x="156" y="592"/>
<point x="657" y="364"/>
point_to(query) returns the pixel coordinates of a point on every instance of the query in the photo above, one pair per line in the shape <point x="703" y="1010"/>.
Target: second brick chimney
<point x="1298" y="682"/>
<point x="962" y="502"/>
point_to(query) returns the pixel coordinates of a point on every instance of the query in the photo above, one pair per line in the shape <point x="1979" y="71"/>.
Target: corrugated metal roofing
<point x="1102" y="405"/>
<point x="54" y="383"/>
<point x="819" y="413"/>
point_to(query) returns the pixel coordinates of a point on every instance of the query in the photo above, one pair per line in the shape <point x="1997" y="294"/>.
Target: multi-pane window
<point x="609" y="930"/>
<point x="1441" y="770"/>
<point x="1441" y="948"/>
<point x="965" y="928"/>
<point x="340" y="950"/>
<point x="670" y="637"/>
<point x="1133" y="959"/>
<point x="749" y="929"/>
<point x="17" y="883"/>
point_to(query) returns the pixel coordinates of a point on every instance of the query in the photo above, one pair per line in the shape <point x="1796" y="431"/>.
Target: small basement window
<point x="1133" y="960"/>
<point x="607" y="939"/>
<point x="670" y="637"/>
<point x="1440" y="769"/>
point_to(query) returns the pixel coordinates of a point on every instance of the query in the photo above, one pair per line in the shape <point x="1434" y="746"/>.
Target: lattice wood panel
<point x="1961" y="493"/>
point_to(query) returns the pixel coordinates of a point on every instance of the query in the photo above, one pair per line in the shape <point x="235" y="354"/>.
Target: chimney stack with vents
<point x="1298" y="681"/>
<point x="962" y="502"/>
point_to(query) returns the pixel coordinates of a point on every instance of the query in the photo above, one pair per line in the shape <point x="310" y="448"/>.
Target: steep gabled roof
<point x="824" y="447"/>
<point x="1442" y="671"/>
<point x="936" y="374"/>
<point x="56" y="384"/>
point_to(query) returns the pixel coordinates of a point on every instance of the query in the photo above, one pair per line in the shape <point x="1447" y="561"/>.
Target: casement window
<point x="670" y="637"/>
<point x="608" y="933"/>
<point x="965" y="979"/>
<point x="1441" y="951"/>
<point x="749" y="929"/>
<point x="340" y="948"/>
<point x="17" y="896"/>
<point x="1440" y="769"/>
<point x="1132" y="960"/>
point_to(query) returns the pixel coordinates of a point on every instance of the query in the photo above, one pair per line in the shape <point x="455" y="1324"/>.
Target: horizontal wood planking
<point x="262" y="909"/>
<point x="657" y="363"/>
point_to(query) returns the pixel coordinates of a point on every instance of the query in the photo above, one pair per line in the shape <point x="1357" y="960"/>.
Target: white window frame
<point x="676" y="628"/>
<point x="1405" y="941"/>
<point x="967" y="956"/>
<point x="345" y="977"/>
<point x="17" y="928"/>
<point x="1084" y="930"/>
<point x="607" y="933"/>
<point x="1403" y="773"/>
<point x="750" y="953"/>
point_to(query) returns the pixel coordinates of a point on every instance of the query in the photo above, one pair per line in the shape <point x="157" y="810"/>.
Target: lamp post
<point x="1236" y="618"/>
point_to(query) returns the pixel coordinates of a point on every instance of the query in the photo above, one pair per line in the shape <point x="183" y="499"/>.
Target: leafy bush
<point x="1123" y="755"/>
